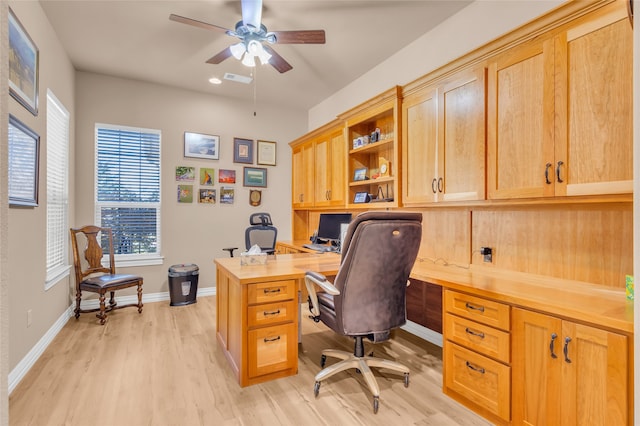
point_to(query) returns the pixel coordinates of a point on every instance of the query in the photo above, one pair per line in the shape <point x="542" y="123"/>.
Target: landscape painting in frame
<point x="226" y="176"/>
<point x="201" y="146"/>
<point x="185" y="173"/>
<point x="23" y="65"/>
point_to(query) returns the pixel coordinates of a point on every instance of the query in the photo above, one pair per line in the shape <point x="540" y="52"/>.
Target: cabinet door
<point x="330" y="154"/>
<point x="520" y="122"/>
<point x="536" y="365"/>
<point x="338" y="155"/>
<point x="595" y="381"/>
<point x="594" y="104"/>
<point x="419" y="144"/>
<point x="303" y="176"/>
<point x="461" y="147"/>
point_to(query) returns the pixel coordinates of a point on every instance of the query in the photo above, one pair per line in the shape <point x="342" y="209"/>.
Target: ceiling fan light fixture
<point x="237" y="50"/>
<point x="248" y="60"/>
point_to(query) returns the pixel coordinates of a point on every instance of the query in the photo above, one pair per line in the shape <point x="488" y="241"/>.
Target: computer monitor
<point x="329" y="226"/>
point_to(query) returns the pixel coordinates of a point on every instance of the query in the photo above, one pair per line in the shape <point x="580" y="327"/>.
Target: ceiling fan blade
<point x="277" y="61"/>
<point x="198" y="24"/>
<point x="252" y="13"/>
<point x="226" y="53"/>
<point x="300" y="37"/>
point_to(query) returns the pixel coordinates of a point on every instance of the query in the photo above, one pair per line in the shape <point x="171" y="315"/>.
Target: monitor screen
<point x="329" y="226"/>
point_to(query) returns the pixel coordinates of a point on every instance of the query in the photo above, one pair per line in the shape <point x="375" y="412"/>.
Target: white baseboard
<point x="423" y="332"/>
<point x="23" y="367"/>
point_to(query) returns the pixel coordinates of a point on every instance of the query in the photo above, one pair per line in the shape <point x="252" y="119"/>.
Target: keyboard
<point x="319" y="247"/>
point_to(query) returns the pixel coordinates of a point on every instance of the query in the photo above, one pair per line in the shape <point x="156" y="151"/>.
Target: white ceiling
<point x="136" y="39"/>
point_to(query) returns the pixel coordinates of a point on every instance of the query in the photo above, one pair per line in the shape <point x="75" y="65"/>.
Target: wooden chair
<point x="92" y="276"/>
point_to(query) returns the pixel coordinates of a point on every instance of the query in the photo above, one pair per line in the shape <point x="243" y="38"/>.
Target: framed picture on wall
<point x="24" y="157"/>
<point x="23" y="65"/>
<point x="199" y="145"/>
<point x="242" y="151"/>
<point x="255" y="176"/>
<point x="267" y="153"/>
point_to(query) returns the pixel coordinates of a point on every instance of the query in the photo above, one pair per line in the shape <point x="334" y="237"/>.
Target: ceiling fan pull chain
<point x="255" y="88"/>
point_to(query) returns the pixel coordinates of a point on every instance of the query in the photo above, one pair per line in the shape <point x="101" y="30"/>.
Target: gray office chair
<point x="367" y="297"/>
<point x="261" y="232"/>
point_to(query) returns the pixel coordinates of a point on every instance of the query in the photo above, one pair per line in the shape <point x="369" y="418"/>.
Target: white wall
<point x="472" y="27"/>
<point x="191" y="233"/>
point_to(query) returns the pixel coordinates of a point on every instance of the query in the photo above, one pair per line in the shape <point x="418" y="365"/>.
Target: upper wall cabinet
<point x="560" y="111"/>
<point x="373" y="150"/>
<point x="443" y="140"/>
<point x="302" y="170"/>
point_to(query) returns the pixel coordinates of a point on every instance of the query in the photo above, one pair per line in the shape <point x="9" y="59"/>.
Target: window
<point x="57" y="191"/>
<point x="128" y="191"/>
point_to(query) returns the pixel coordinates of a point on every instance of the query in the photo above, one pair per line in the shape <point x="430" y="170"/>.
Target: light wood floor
<point x="164" y="368"/>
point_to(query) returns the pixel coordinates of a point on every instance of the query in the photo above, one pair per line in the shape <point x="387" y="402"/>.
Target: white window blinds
<point x="128" y="188"/>
<point x="57" y="190"/>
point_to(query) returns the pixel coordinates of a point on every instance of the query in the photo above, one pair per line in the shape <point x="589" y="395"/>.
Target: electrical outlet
<point x="487" y="252"/>
<point x="29" y="317"/>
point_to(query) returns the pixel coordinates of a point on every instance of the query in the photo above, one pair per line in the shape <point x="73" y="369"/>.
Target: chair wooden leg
<point x="102" y="315"/>
<point x="112" y="300"/>
<point x="139" y="298"/>
<point x="77" y="309"/>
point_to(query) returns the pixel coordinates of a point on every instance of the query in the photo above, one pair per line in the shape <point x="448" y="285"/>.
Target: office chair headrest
<point x="263" y="219"/>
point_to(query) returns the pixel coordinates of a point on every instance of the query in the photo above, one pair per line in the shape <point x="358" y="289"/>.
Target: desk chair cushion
<point x="109" y="280"/>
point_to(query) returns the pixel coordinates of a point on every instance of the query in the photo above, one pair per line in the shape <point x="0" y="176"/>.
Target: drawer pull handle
<point x="554" y="336"/>
<point x="566" y="350"/>
<point x="546" y="173"/>
<point x="269" y="290"/>
<point x="266" y="313"/>
<point x="474" y="333"/>
<point x="474" y="368"/>
<point x="271" y="340"/>
<point x="475" y="308"/>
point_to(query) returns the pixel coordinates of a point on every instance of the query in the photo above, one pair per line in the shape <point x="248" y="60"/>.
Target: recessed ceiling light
<point x="215" y="80"/>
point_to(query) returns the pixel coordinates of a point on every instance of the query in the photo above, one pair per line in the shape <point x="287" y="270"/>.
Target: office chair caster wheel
<point x="323" y="361"/>
<point x="406" y="380"/>
<point x="316" y="389"/>
<point x="376" y="402"/>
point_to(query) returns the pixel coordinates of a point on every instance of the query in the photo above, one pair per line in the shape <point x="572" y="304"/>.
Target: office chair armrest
<point x="311" y="279"/>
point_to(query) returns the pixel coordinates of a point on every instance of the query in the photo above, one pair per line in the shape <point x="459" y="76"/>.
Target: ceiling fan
<point x="253" y="35"/>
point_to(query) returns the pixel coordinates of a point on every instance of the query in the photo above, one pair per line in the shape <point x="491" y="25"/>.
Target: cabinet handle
<point x="560" y="163"/>
<point x="268" y="290"/>
<point x="546" y="173"/>
<point x="275" y="339"/>
<point x="566" y="349"/>
<point x="433" y="185"/>
<point x="474" y="368"/>
<point x="328" y="194"/>
<point x="266" y="313"/>
<point x="440" y="184"/>
<point x="554" y="336"/>
<point x="474" y="333"/>
<point x="475" y="308"/>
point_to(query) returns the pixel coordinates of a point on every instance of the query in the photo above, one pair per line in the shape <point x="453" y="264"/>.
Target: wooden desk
<point x="257" y="312"/>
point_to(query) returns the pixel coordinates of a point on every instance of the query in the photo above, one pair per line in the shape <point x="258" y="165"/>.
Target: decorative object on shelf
<point x="201" y="146"/>
<point x="185" y="173"/>
<point x="384" y="167"/>
<point x="255" y="197"/>
<point x="207" y="196"/>
<point x="226" y="176"/>
<point x="207" y="176"/>
<point x="360" y="174"/>
<point x="361" y="197"/>
<point x="185" y="193"/>
<point x="24" y="156"/>
<point x="255" y="176"/>
<point x="266" y="153"/>
<point x="23" y="65"/>
<point x="226" y="195"/>
<point x="242" y="151"/>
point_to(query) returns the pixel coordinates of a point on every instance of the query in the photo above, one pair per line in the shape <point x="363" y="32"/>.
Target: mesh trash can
<point x="183" y="284"/>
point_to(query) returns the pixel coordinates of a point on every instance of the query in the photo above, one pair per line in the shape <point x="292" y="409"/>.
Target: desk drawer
<point x="478" y="337"/>
<point x="478" y="309"/>
<point x="271" y="291"/>
<point x="271" y="313"/>
<point x="479" y="379"/>
<point x="272" y="349"/>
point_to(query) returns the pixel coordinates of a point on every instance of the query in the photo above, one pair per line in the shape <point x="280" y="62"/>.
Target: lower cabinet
<point x="566" y="373"/>
<point x="476" y="360"/>
<point x="424" y="304"/>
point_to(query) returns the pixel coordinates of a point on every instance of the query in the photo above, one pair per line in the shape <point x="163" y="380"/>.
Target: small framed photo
<point x="267" y="153"/>
<point x="207" y="196"/>
<point x="185" y="173"/>
<point x="226" y="195"/>
<point x="199" y="145"/>
<point x="255" y="176"/>
<point x="242" y="151"/>
<point x="361" y="197"/>
<point x="185" y="193"/>
<point x="207" y="176"/>
<point x="24" y="157"/>
<point x="226" y="176"/>
<point x="360" y="174"/>
<point x="23" y="65"/>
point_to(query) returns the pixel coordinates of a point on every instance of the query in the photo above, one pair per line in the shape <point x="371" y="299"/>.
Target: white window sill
<point x="126" y="262"/>
<point x="55" y="276"/>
